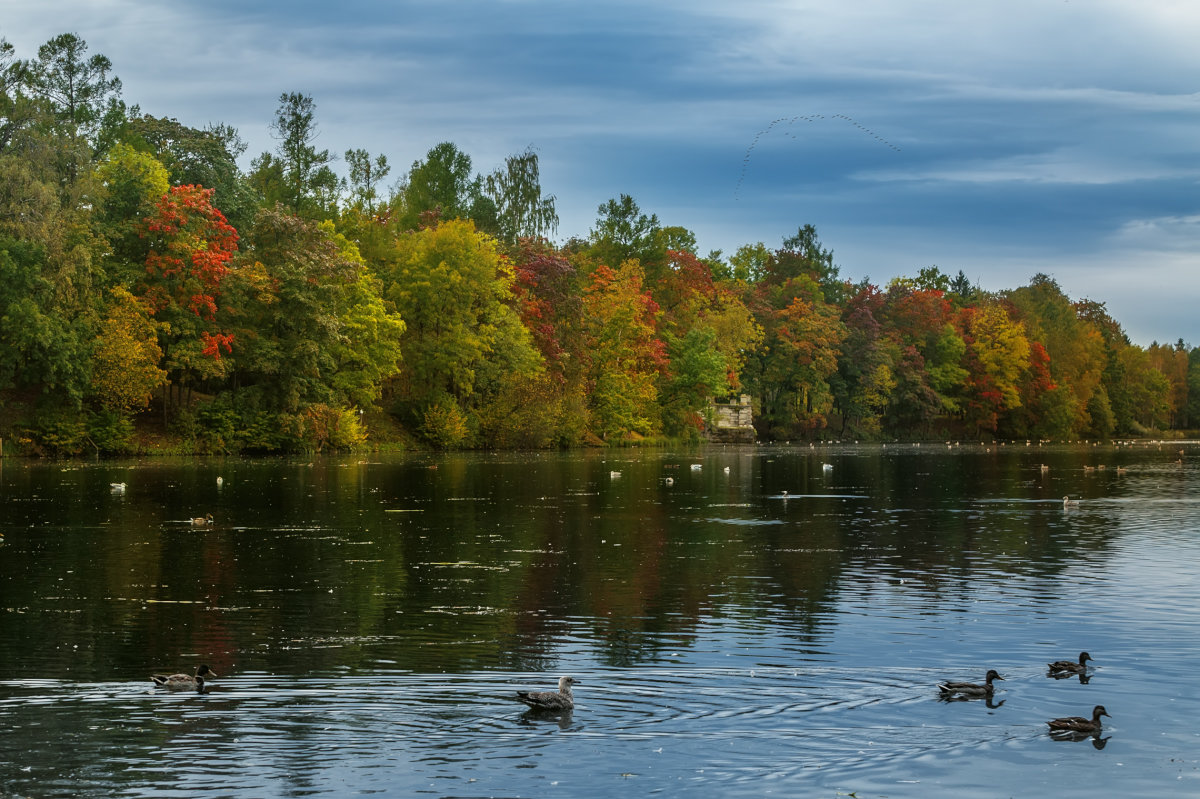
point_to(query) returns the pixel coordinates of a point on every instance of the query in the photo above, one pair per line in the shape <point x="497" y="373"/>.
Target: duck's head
<point x="1099" y="711"/>
<point x="565" y="683"/>
<point x="1084" y="657"/>
<point x="203" y="669"/>
<point x="993" y="675"/>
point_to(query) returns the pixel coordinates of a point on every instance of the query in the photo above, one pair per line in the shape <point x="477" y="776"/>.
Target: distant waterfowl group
<point x="1075" y="725"/>
<point x="563" y="700"/>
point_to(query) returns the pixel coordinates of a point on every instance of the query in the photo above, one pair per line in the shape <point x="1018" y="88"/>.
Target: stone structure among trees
<point x="732" y="422"/>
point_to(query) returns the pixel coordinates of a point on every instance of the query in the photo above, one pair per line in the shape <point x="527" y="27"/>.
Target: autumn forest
<point x="157" y="296"/>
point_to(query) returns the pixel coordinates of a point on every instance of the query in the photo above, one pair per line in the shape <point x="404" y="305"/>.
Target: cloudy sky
<point x="1000" y="138"/>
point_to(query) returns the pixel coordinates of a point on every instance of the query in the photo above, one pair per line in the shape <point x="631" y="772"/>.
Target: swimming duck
<point x="1079" y="723"/>
<point x="969" y="689"/>
<point x="551" y="700"/>
<point x="202" y="521"/>
<point x="184" y="682"/>
<point x="1071" y="666"/>
<point x="1070" y="503"/>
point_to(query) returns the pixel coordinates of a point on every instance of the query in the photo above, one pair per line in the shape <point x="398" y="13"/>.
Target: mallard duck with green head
<point x="184" y="682"/>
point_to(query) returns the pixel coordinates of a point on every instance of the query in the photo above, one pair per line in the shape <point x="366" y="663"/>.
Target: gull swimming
<point x="551" y="700"/>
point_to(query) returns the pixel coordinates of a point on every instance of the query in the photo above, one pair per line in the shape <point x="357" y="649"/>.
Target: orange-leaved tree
<point x="621" y="330"/>
<point x="190" y="246"/>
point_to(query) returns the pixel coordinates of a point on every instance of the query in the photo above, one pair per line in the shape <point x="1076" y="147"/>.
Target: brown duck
<point x="1079" y="723"/>
<point x="969" y="689"/>
<point x="1071" y="666"/>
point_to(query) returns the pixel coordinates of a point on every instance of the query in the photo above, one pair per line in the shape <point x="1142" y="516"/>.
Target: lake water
<point x="742" y="621"/>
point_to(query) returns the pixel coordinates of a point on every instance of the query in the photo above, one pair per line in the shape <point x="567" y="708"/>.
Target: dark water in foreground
<point x="371" y="620"/>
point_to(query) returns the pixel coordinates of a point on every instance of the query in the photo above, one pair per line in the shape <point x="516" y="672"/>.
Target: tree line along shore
<point x="156" y="297"/>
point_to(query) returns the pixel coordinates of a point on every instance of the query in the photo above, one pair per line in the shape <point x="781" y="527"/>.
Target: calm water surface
<point x="743" y="622"/>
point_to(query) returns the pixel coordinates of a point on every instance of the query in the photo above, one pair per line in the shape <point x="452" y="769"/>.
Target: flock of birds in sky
<point x="791" y="121"/>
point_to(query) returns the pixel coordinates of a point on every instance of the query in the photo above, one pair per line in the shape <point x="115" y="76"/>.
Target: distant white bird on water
<point x="117" y="488"/>
<point x="1070" y="503"/>
<point x="220" y="481"/>
<point x="550" y="700"/>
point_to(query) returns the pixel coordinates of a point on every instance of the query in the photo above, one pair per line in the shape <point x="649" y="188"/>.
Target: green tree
<point x="41" y="348"/>
<point x="309" y="318"/>
<point x="1171" y="362"/>
<point x="623" y="233"/>
<point x="708" y="331"/>
<point x="134" y="182"/>
<point x="463" y="341"/>
<point x="803" y="254"/>
<point x="516" y="192"/>
<point x="750" y="261"/>
<point x="440" y="187"/>
<point x="309" y="183"/>
<point x="1193" y="384"/>
<point x="1075" y="347"/>
<point x="17" y="112"/>
<point x="78" y="90"/>
<point x="365" y="176"/>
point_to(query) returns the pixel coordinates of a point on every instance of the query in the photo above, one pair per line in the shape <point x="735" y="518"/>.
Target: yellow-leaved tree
<point x="125" y="361"/>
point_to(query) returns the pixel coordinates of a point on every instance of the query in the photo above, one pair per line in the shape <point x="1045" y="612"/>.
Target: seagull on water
<point x="550" y="700"/>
